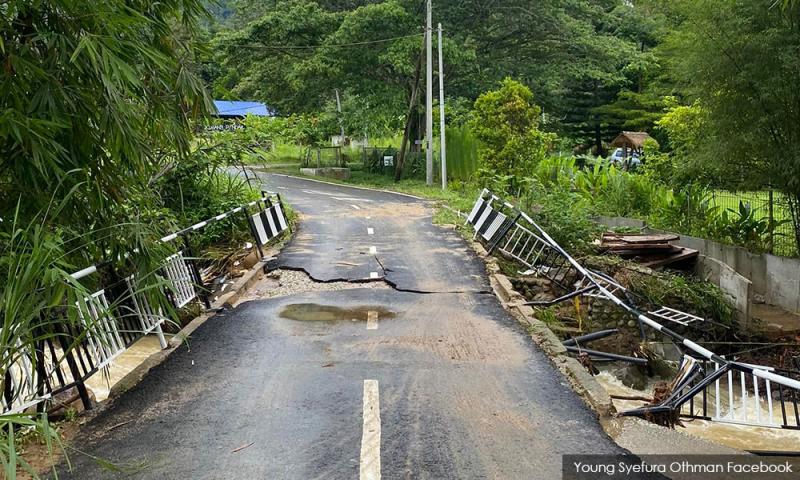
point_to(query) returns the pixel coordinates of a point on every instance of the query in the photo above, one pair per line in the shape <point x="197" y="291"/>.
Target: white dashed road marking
<point x="370" y="468"/>
<point x="372" y="320"/>
<point x="373" y="275"/>
<point x="370" y="231"/>
<point x="373" y="250"/>
<point x="356" y="207"/>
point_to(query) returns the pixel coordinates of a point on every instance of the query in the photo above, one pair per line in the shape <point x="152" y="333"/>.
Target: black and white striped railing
<point x="483" y="218"/>
<point x="268" y="223"/>
<point x="200" y="225"/>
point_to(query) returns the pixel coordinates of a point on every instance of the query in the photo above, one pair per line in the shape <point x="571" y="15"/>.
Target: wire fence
<point x="383" y="160"/>
<point x="324" y="157"/>
<point x="768" y="206"/>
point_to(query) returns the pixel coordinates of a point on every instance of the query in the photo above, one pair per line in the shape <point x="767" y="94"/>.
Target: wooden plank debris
<point x="651" y="250"/>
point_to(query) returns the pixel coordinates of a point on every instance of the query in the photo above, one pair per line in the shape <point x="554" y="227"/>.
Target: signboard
<point x="388" y="160"/>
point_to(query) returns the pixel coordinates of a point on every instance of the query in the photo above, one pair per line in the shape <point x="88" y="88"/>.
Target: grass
<point x="759" y="201"/>
<point x="281" y="153"/>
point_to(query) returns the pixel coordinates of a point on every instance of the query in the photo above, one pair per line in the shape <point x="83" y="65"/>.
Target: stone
<point x="631" y="376"/>
<point x="663" y="369"/>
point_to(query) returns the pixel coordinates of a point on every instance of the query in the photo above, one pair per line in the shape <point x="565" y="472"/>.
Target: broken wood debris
<point x="239" y="449"/>
<point x="650" y="249"/>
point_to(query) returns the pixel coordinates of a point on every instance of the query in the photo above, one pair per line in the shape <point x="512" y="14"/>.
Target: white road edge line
<point x="370" y="231"/>
<point x="370" y="467"/>
<point x="372" y="320"/>
<point x="373" y="275"/>
<point x="373" y="250"/>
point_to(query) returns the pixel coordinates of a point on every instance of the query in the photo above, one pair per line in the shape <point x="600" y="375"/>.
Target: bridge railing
<point x="516" y="235"/>
<point x="119" y="313"/>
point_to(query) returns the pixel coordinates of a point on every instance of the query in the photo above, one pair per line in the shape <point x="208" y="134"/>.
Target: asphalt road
<point x="432" y="380"/>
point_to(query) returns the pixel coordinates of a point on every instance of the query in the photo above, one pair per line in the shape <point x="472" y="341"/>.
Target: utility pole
<point x="428" y="97"/>
<point x="442" y="152"/>
<point x="339" y="110"/>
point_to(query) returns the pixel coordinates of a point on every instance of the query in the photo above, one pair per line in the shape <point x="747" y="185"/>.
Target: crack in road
<point x="388" y="282"/>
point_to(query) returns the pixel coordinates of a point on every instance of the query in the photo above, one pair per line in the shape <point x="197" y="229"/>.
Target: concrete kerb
<point x="241" y="285"/>
<point x="582" y="382"/>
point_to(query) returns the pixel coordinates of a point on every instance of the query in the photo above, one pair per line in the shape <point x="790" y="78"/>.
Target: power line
<point x="303" y="47"/>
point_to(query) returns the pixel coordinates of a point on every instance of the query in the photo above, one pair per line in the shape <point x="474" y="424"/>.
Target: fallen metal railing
<point x="694" y="380"/>
<point x="731" y="394"/>
<point x="118" y="314"/>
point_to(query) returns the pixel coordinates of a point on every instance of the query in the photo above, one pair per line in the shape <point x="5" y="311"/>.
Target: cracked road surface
<point x="429" y="379"/>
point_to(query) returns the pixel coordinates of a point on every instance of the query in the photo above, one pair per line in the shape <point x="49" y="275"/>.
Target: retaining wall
<point x="775" y="278"/>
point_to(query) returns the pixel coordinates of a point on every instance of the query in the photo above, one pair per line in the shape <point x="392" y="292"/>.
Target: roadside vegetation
<point x="608" y="66"/>
<point x="100" y="160"/>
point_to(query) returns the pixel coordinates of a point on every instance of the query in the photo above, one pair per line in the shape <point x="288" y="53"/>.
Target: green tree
<point x="506" y="122"/>
<point x="93" y="100"/>
<point x="741" y="59"/>
<point x="97" y="99"/>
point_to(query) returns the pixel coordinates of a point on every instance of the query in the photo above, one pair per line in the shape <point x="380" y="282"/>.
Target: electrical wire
<point x="304" y="47"/>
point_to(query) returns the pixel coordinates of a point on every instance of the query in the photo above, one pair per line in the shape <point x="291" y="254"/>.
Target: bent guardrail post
<point x="609" y="356"/>
<point x="191" y="259"/>
<point x="590" y="337"/>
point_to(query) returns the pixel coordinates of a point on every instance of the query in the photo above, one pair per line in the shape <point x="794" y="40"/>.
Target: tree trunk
<point x="598" y="137"/>
<point x="794" y="208"/>
<point x="401" y="158"/>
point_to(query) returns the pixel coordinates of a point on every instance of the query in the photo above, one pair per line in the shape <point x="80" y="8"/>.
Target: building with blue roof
<point x="237" y="109"/>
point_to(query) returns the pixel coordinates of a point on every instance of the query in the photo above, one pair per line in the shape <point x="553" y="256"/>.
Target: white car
<point x="618" y="158"/>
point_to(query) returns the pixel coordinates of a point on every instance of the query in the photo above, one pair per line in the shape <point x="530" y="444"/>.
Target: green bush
<point x="506" y="122"/>
<point x="198" y="188"/>
<point x="462" y="153"/>
<point x="564" y="214"/>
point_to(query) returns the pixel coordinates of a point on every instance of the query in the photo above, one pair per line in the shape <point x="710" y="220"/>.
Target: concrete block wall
<point x="736" y="287"/>
<point x="775" y="278"/>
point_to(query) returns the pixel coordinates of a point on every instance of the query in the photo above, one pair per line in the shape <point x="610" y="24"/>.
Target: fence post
<point x="73" y="367"/>
<point x="253" y="231"/>
<point x="195" y="271"/>
<point x="689" y="208"/>
<point x="280" y="202"/>
<point x="771" y="231"/>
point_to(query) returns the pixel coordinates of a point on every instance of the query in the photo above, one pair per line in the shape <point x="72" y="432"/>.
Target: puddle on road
<point x="313" y="312"/>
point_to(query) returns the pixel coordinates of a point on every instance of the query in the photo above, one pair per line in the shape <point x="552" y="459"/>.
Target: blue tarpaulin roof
<point x="227" y="108"/>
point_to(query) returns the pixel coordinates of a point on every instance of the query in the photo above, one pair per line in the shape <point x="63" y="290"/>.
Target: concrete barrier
<point x="332" y="172"/>
<point x="776" y="279"/>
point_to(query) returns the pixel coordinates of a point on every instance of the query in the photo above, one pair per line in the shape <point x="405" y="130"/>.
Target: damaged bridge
<point x="707" y="386"/>
<point x="429" y="378"/>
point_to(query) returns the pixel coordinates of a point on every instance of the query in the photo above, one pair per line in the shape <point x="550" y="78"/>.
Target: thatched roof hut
<point x="631" y="140"/>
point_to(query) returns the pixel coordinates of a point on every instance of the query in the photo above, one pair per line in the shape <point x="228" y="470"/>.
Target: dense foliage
<point x="96" y="134"/>
<point x="741" y="61"/>
<point x="505" y="122"/>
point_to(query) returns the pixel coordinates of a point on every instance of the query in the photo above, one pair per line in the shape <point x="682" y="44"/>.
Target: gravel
<point x="279" y="283"/>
